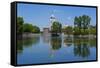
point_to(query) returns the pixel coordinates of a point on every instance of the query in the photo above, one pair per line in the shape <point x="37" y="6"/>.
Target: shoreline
<point x="30" y="35"/>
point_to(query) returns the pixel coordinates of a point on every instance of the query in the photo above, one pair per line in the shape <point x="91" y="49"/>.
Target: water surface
<point x="46" y="49"/>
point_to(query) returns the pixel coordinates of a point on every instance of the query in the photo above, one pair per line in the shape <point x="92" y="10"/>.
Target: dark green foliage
<point x="36" y="29"/>
<point x="20" y="22"/>
<point x="68" y="30"/>
<point x="81" y="24"/>
<point x="26" y="27"/>
<point x="30" y="28"/>
<point x="56" y="27"/>
<point x="92" y="30"/>
<point x="85" y="22"/>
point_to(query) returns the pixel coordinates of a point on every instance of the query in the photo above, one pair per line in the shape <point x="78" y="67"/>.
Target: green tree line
<point x="26" y="27"/>
<point x="69" y="30"/>
<point x="81" y="26"/>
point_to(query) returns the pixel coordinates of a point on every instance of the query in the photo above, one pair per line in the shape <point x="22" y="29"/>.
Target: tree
<point x="27" y="27"/>
<point x="68" y="30"/>
<point x="75" y="21"/>
<point x="20" y="22"/>
<point x="85" y="22"/>
<point x="56" y="27"/>
<point x="36" y="29"/>
<point x="92" y="30"/>
<point x="77" y="25"/>
<point x="30" y="28"/>
<point x="76" y="30"/>
<point x="81" y="23"/>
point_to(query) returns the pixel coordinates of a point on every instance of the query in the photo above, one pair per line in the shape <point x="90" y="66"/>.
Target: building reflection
<point x="46" y="39"/>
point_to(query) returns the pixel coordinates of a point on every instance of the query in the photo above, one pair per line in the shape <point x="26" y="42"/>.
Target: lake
<point x="46" y="49"/>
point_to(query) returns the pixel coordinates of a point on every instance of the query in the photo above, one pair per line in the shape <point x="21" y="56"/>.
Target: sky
<point x="39" y="15"/>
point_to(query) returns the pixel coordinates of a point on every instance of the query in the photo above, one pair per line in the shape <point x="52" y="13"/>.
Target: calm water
<point x="44" y="49"/>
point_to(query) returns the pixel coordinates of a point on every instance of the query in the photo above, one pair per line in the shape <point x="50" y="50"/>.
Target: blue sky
<point x="40" y="14"/>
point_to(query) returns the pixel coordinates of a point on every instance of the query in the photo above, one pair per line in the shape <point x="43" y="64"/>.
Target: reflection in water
<point x="55" y="43"/>
<point x="46" y="38"/>
<point x="27" y="42"/>
<point x="68" y="41"/>
<point x="82" y="46"/>
<point x="19" y="46"/>
<point x="78" y="48"/>
<point x="92" y="42"/>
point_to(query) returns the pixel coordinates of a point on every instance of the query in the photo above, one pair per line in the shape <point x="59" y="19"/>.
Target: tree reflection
<point x="27" y="42"/>
<point x="55" y="42"/>
<point x="19" y="46"/>
<point x="81" y="47"/>
<point x="93" y="42"/>
<point x="68" y="41"/>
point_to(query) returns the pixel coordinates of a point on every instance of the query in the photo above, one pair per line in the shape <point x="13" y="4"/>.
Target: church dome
<point x="52" y="16"/>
